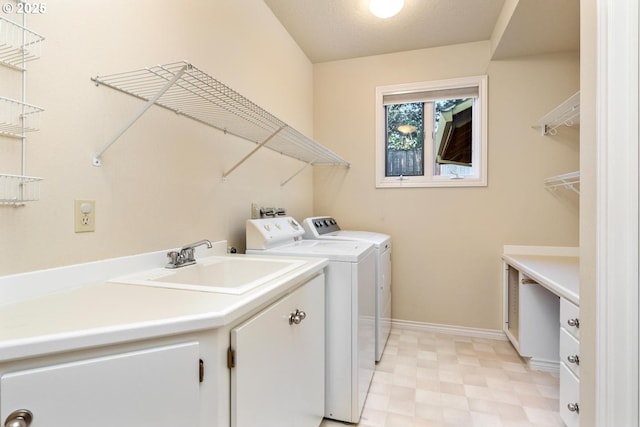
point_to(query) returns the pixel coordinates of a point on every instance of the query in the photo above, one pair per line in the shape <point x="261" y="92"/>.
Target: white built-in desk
<point x="541" y="314"/>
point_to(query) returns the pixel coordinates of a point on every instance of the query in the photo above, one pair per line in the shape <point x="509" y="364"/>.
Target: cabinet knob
<point x="574" y="359"/>
<point x="573" y="407"/>
<point x="19" y="418"/>
<point x="573" y="322"/>
<point x="297" y="317"/>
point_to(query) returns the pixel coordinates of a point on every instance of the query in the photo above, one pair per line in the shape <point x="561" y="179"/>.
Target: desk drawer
<point x="570" y="351"/>
<point x="569" y="397"/>
<point x="570" y="317"/>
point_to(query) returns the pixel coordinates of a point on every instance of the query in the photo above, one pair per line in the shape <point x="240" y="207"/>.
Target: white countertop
<point x="558" y="273"/>
<point x="103" y="313"/>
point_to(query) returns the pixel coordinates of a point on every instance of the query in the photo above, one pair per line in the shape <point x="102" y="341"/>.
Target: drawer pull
<point x="527" y="281"/>
<point x="573" y="407"/>
<point x="19" y="418"/>
<point x="573" y="322"/>
<point x="574" y="359"/>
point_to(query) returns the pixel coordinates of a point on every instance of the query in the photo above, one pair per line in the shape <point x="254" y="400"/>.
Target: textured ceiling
<point x="329" y="30"/>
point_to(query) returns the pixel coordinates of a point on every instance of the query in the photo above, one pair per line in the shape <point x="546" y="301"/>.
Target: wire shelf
<point x="565" y="114"/>
<point x="17" y="189"/>
<point x="17" y="117"/>
<point x="199" y="96"/>
<point x="18" y="45"/>
<point x="568" y="181"/>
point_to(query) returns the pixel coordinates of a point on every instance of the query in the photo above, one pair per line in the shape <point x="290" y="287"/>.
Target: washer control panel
<point x="266" y="233"/>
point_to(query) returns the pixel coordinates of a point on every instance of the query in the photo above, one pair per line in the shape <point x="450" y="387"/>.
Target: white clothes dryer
<point x="349" y="309"/>
<point x="327" y="228"/>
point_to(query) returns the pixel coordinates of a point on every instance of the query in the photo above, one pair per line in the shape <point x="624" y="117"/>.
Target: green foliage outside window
<point x="411" y="114"/>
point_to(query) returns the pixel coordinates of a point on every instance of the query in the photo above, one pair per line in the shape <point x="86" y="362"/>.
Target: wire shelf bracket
<point x="251" y="153"/>
<point x="302" y="169"/>
<point x="97" y="158"/>
<point x="184" y="89"/>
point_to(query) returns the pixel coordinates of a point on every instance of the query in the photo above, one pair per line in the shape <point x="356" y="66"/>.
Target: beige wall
<point x="448" y="241"/>
<point x="160" y="185"/>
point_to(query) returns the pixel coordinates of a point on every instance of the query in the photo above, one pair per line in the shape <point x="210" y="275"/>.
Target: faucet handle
<point x="174" y="257"/>
<point x="187" y="254"/>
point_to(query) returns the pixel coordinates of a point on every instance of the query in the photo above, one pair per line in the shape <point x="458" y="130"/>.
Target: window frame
<point x="480" y="118"/>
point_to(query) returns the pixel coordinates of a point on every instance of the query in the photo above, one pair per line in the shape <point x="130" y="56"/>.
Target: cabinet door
<point x="278" y="378"/>
<point x="156" y="388"/>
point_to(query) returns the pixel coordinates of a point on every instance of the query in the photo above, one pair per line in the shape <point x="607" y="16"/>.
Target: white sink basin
<point x="224" y="274"/>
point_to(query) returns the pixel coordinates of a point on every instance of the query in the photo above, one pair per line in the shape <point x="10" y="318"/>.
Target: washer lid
<point x="346" y="251"/>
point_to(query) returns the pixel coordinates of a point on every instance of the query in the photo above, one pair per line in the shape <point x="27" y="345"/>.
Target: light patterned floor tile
<point x="428" y="379"/>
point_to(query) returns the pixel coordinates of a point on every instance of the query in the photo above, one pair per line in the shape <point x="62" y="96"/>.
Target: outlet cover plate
<point x="85" y="216"/>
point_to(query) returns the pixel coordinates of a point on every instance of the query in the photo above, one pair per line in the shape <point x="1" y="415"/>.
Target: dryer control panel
<point x="318" y="225"/>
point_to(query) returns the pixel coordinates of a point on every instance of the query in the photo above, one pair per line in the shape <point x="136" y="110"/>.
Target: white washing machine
<point x="350" y="308"/>
<point x="326" y="228"/>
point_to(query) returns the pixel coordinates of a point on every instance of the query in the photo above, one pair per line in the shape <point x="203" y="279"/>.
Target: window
<point x="432" y="134"/>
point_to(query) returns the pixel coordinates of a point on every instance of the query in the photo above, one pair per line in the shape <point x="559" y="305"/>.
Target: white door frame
<point x="617" y="322"/>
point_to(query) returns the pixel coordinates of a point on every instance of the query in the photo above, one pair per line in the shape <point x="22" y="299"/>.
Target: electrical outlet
<point x="85" y="216"/>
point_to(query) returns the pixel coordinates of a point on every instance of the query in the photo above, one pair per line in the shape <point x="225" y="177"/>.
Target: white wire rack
<point x="17" y="117"/>
<point x="18" y="45"/>
<point x="186" y="90"/>
<point x="568" y="181"/>
<point x="17" y="189"/>
<point x="565" y="114"/>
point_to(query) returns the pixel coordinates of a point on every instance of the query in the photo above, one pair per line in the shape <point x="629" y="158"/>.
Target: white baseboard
<point x="544" y="365"/>
<point x="493" y="334"/>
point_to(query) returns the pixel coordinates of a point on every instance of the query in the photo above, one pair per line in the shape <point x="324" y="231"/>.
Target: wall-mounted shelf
<point x="186" y="90"/>
<point x="565" y="114"/>
<point x="18" y="45"/>
<point x="17" y="189"/>
<point x="17" y="117"/>
<point x="568" y="181"/>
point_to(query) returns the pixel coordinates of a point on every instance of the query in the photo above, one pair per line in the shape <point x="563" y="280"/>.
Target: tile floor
<point x="429" y="379"/>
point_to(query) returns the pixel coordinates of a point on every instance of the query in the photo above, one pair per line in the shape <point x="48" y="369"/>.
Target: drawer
<point x="569" y="396"/>
<point x="569" y="351"/>
<point x="569" y="317"/>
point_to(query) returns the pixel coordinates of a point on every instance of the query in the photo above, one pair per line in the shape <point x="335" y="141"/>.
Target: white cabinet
<point x="531" y="314"/>
<point x="277" y="375"/>
<point x="533" y="309"/>
<point x="569" y="363"/>
<point x="156" y="387"/>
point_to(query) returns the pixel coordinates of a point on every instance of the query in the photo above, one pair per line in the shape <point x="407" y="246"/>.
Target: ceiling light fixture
<point x="385" y="8"/>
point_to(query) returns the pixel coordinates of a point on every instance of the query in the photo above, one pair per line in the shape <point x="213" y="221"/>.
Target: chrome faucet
<point x="186" y="255"/>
